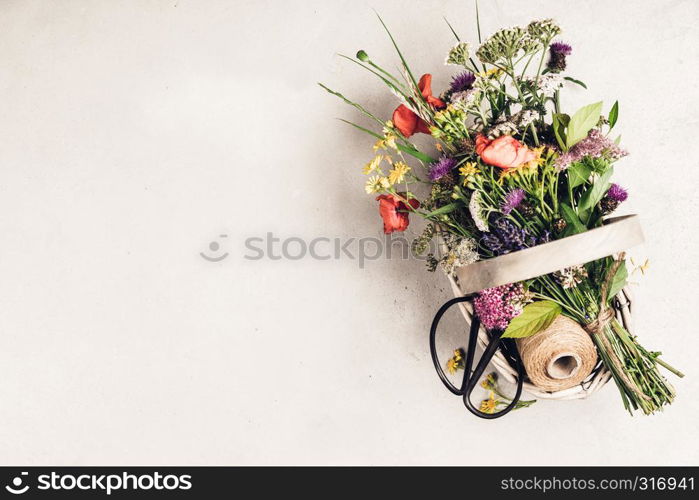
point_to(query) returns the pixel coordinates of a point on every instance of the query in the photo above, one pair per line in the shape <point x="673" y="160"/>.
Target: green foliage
<point x="534" y="318"/>
<point x="581" y="123"/>
<point x="618" y="281"/>
<point x="592" y="196"/>
<point x="560" y="122"/>
<point x="613" y="115"/>
<point x="578" y="174"/>
<point x="577" y="82"/>
<point x="575" y="225"/>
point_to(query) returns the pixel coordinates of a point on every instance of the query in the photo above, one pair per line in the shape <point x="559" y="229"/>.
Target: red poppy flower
<point x="394" y="212"/>
<point x="408" y="122"/>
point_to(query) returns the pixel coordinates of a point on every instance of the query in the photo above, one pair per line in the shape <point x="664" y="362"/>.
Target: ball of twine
<point x="558" y="357"/>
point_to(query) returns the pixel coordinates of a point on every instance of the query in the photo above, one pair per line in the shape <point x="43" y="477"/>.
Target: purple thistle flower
<point x="497" y="306"/>
<point x="441" y="167"/>
<point x="512" y="200"/>
<point x="558" y="51"/>
<point x="560" y="48"/>
<point x="462" y="81"/>
<point x="617" y="193"/>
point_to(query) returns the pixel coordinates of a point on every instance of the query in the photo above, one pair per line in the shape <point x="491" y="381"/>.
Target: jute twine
<point x="596" y="329"/>
<point x="558" y="357"/>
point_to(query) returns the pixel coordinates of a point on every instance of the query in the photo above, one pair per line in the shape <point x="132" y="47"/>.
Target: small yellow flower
<point x="456" y="362"/>
<point x="388" y="141"/>
<point x="398" y="171"/>
<point x="494" y="72"/>
<point x="373" y="165"/>
<point x="489" y="382"/>
<point x="489" y="405"/>
<point x="642" y="267"/>
<point x="469" y="168"/>
<point x="377" y="184"/>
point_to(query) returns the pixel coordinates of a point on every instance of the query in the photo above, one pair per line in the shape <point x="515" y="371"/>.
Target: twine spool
<point x="559" y="357"/>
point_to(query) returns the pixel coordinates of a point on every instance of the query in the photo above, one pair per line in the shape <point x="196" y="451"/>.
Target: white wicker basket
<point x="595" y="381"/>
<point x="619" y="234"/>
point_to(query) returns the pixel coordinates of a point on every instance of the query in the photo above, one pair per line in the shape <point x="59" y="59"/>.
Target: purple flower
<point x="512" y="200"/>
<point x="595" y="145"/>
<point x="441" y="167"/>
<point x="462" y="81"/>
<point x="617" y="193"/>
<point x="558" y="51"/>
<point x="497" y="306"/>
<point x="561" y="48"/>
<point x="505" y="237"/>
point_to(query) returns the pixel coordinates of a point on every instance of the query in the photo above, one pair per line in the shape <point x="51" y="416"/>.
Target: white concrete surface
<point x="134" y="133"/>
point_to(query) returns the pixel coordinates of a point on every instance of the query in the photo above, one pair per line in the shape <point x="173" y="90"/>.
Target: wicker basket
<point x="619" y="234"/>
<point x="595" y="381"/>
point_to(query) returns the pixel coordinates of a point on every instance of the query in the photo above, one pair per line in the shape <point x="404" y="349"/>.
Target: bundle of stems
<point x="634" y="369"/>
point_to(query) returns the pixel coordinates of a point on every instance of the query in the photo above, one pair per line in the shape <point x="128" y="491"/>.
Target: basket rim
<point x="618" y="234"/>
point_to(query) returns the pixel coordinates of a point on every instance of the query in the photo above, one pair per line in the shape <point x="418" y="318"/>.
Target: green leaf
<point x="560" y="122"/>
<point x="613" y="115"/>
<point x="452" y="29"/>
<point x="575" y="226"/>
<point x="400" y="54"/>
<point x="618" y="281"/>
<point x="443" y="210"/>
<point x="617" y="141"/>
<point x="595" y="193"/>
<point x="575" y="81"/>
<point x="578" y="173"/>
<point x="353" y="104"/>
<point x="534" y="318"/>
<point x="582" y="122"/>
<point x="406" y="149"/>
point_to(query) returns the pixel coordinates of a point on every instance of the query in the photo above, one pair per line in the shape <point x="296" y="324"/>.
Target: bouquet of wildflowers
<point x="509" y="170"/>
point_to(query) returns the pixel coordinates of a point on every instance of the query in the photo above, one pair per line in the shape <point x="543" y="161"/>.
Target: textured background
<point x="134" y="133"/>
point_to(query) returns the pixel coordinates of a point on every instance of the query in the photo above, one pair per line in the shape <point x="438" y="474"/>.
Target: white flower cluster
<point x="570" y="277"/>
<point x="548" y="84"/>
<point x="462" y="252"/>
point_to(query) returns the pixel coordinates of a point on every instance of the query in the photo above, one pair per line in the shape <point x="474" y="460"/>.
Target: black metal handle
<point x="471" y="378"/>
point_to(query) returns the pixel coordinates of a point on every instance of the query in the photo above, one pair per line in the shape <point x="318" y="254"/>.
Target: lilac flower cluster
<point x="441" y="167"/>
<point x="505" y="237"/>
<point x="497" y="306"/>
<point x="462" y="81"/>
<point x="595" y="145"/>
<point x="512" y="200"/>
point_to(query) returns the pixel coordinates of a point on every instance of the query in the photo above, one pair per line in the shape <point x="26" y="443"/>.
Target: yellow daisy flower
<point x="373" y="165"/>
<point x="469" y="168"/>
<point x="377" y="184"/>
<point x="494" y="72"/>
<point x="397" y="173"/>
<point x="456" y="362"/>
<point x="489" y="405"/>
<point x="388" y="141"/>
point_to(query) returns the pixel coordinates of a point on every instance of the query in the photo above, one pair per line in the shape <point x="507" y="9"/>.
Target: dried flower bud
<point x="608" y="205"/>
<point x="559" y="225"/>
